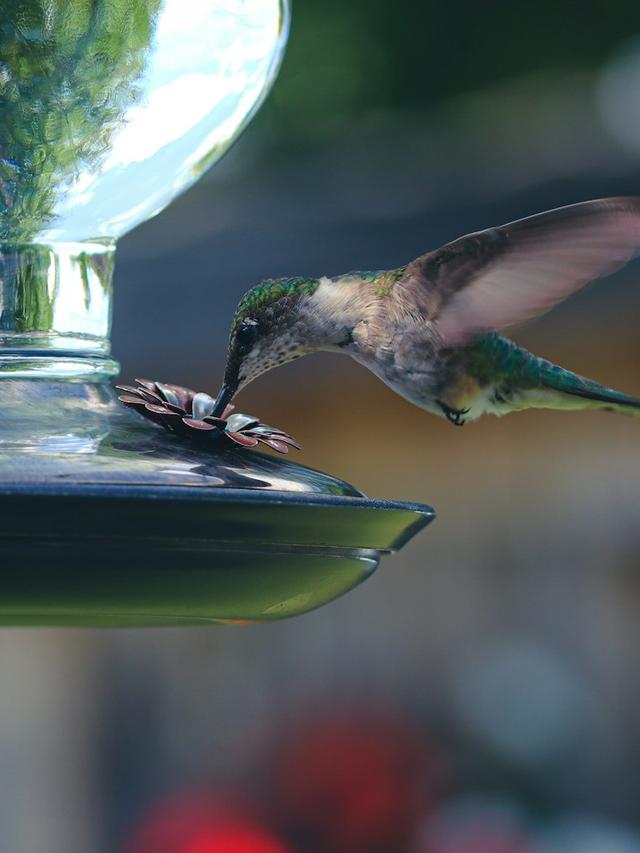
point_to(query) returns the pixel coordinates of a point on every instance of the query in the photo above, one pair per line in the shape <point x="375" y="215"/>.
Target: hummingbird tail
<point x="578" y="392"/>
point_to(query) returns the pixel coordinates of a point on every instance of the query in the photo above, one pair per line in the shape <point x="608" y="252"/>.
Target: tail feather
<point x="574" y="388"/>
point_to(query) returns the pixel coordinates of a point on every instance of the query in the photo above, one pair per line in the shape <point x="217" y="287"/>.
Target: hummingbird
<point x="432" y="329"/>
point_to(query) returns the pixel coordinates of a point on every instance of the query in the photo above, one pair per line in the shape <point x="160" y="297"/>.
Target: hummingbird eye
<point x="247" y="334"/>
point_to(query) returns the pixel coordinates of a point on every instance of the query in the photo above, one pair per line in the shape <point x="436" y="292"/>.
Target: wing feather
<point x="505" y="275"/>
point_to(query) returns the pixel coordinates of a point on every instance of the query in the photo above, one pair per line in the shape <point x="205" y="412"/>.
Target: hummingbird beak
<point x="225" y="395"/>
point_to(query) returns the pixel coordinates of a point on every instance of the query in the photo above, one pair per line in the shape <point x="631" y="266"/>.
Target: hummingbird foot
<point x="454" y="416"/>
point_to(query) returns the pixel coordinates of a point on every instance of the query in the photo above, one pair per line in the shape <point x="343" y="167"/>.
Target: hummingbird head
<point x="272" y="325"/>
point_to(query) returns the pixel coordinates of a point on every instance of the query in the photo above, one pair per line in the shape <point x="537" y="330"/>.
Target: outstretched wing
<point x="494" y="278"/>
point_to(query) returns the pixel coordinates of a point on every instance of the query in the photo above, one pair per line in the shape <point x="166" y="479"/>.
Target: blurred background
<point x="480" y="693"/>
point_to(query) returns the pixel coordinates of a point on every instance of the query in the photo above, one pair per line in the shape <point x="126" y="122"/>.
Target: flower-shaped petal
<point x="169" y="394"/>
<point x="151" y="396"/>
<point x="185" y="395"/>
<point x="161" y="410"/>
<point x="274" y="444"/>
<point x="264" y="431"/>
<point x="148" y="384"/>
<point x="130" y="400"/>
<point x="202" y="405"/>
<point x="178" y="410"/>
<point x="287" y="439"/>
<point x="242" y="438"/>
<point x="195" y="423"/>
<point x="241" y="422"/>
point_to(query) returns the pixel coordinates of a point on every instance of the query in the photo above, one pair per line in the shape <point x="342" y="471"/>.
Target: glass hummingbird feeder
<point x="108" y="110"/>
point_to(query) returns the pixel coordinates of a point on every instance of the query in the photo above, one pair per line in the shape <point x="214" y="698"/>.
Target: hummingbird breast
<point x="404" y="357"/>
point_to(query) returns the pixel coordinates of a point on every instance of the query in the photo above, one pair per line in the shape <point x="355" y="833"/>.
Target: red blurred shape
<point x="234" y="840"/>
<point x="359" y="783"/>
<point x="202" y="823"/>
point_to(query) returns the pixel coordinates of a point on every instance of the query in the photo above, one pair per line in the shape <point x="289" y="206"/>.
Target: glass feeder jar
<point x="108" y="110"/>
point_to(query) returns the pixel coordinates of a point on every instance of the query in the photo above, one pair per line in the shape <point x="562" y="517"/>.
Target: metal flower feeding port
<point x="110" y="109"/>
<point x="189" y="413"/>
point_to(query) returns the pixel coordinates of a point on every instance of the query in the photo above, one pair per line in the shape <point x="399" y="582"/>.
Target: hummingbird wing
<point x="505" y="275"/>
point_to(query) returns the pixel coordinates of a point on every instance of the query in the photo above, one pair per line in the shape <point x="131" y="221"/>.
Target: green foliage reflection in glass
<point x="68" y="71"/>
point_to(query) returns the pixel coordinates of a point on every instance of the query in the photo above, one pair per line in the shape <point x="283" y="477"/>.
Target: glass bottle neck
<point x="55" y="311"/>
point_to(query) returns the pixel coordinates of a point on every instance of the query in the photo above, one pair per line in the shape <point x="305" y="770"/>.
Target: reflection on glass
<point x="109" y="108"/>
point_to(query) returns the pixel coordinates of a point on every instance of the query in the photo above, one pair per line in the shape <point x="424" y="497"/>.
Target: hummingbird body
<point x="428" y="329"/>
<point x="491" y="375"/>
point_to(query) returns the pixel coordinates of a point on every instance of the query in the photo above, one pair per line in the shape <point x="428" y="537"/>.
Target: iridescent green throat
<point x="272" y="290"/>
